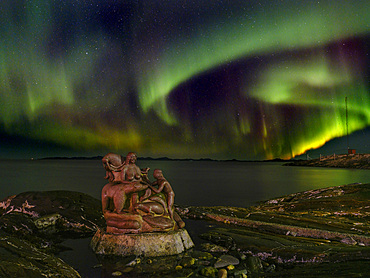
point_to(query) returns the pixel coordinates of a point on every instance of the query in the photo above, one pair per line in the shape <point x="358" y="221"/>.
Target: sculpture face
<point x="134" y="205"/>
<point x="157" y="174"/>
<point x="131" y="158"/>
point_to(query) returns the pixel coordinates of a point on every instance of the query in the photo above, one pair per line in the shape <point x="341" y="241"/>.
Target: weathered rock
<point x="63" y="213"/>
<point x="333" y="213"/>
<point x="142" y="244"/>
<point x="222" y="273"/>
<point x="327" y="225"/>
<point x="201" y="255"/>
<point x="21" y="258"/>
<point x="47" y="221"/>
<point x="270" y="268"/>
<point x="209" y="271"/>
<point x="226" y="260"/>
<point x="32" y="225"/>
<point x="213" y="248"/>
<point x="254" y="264"/>
<point x="219" y="239"/>
<point x="187" y="261"/>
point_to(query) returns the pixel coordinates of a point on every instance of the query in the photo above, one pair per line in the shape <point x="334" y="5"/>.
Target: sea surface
<point x="198" y="183"/>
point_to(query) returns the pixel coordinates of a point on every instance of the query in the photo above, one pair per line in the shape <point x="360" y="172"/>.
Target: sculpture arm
<point x="133" y="186"/>
<point x="159" y="189"/>
<point x="104" y="200"/>
<point x="145" y="171"/>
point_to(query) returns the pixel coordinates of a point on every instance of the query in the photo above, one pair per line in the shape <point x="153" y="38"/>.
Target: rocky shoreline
<point x="303" y="234"/>
<point x="354" y="161"/>
<point x="33" y="226"/>
<point x="321" y="232"/>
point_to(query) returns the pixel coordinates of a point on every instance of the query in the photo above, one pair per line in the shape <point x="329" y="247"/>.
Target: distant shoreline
<point x="165" y="159"/>
<point x="351" y="161"/>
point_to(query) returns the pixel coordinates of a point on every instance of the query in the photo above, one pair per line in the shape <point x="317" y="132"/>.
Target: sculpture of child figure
<point x="165" y="187"/>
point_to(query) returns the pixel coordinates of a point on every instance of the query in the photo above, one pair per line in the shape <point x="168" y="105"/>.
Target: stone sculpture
<point x="133" y="205"/>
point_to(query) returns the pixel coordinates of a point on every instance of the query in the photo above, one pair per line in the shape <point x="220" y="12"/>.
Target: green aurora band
<point x="65" y="79"/>
<point x="279" y="28"/>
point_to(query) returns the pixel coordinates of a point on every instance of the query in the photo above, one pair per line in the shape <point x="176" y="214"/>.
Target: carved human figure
<point x="113" y="165"/>
<point x="129" y="200"/>
<point x="165" y="187"/>
<point x="130" y="171"/>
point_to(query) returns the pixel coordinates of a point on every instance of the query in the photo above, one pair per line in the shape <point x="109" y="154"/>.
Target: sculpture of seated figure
<point x="130" y="171"/>
<point x="131" y="204"/>
<point x="164" y="186"/>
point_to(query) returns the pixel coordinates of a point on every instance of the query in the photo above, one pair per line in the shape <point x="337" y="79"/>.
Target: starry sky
<point x="184" y="79"/>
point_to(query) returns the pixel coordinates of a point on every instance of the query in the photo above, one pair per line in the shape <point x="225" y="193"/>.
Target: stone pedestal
<point x="141" y="244"/>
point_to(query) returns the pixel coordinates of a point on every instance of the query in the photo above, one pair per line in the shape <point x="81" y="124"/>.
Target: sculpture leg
<point x="178" y="220"/>
<point x="133" y="203"/>
<point x="150" y="207"/>
<point x="170" y="201"/>
<point x="127" y="224"/>
<point x="146" y="195"/>
<point x="123" y="223"/>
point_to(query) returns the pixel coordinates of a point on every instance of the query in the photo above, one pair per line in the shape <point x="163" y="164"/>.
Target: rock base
<point x="142" y="244"/>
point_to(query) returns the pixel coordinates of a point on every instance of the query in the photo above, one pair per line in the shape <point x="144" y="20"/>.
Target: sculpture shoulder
<point x="106" y="187"/>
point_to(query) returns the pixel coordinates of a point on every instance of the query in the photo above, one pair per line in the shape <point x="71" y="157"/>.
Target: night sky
<point x="183" y="79"/>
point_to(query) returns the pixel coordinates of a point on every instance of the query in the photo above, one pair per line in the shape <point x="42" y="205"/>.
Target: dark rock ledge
<point x="318" y="230"/>
<point x="32" y="226"/>
<point x="323" y="232"/>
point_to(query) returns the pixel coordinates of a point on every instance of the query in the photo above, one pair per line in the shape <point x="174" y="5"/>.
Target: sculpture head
<point x="157" y="174"/>
<point x="131" y="158"/>
<point x="112" y="161"/>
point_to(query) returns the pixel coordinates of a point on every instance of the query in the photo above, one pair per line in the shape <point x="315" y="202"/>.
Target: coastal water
<point x="200" y="183"/>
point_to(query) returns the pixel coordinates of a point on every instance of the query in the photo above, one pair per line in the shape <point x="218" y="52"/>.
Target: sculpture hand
<point x="145" y="170"/>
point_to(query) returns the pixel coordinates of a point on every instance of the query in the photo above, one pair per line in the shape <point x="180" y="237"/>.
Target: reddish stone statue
<point x="131" y="203"/>
<point x="139" y="214"/>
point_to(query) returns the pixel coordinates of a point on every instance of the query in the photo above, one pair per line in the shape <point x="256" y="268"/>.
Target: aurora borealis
<point x="183" y="79"/>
